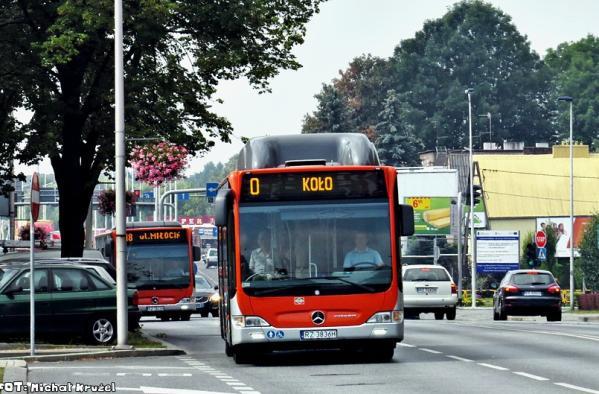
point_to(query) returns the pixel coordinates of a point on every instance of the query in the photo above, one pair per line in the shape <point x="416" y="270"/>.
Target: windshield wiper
<point x="349" y="282"/>
<point x="281" y="289"/>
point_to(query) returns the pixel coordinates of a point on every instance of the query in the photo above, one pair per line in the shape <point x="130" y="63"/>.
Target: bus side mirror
<point x="406" y="220"/>
<point x="221" y="206"/>
<point x="197" y="253"/>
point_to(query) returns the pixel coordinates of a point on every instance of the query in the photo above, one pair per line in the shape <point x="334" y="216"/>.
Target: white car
<point x="211" y="258"/>
<point x="429" y="288"/>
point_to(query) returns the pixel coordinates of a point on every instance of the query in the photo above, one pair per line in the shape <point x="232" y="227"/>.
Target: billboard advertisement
<point x="561" y="227"/>
<point x="432" y="215"/>
<point x="497" y="251"/>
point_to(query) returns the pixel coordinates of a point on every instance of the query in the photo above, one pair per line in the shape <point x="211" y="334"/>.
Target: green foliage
<point x="589" y="254"/>
<point x="473" y="45"/>
<point x="575" y="66"/>
<point x="61" y="69"/>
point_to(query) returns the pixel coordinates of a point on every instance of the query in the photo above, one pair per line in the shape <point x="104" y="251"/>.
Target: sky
<point x="345" y="29"/>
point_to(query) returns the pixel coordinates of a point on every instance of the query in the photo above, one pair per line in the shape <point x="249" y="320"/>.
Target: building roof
<point x="538" y="185"/>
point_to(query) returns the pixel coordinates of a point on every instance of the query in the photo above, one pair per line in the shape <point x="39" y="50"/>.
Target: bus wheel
<point x="204" y="314"/>
<point x="228" y="350"/>
<point x="241" y="355"/>
<point x="185" y="316"/>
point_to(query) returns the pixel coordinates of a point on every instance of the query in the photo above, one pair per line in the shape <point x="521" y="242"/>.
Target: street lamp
<point x="488" y="116"/>
<point x="469" y="92"/>
<point x="569" y="100"/>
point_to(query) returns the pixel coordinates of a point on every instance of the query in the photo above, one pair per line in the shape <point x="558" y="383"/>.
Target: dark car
<point x="528" y="293"/>
<point x="68" y="298"/>
<point x="207" y="297"/>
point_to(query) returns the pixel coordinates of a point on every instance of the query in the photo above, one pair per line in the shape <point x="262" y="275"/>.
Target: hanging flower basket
<point x="39" y="233"/>
<point x="107" y="201"/>
<point x="159" y="163"/>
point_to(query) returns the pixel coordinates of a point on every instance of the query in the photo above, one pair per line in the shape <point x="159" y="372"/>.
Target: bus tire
<point x="439" y="315"/>
<point x="185" y="316"/>
<point x="204" y="314"/>
<point x="241" y="355"/>
<point x="228" y="349"/>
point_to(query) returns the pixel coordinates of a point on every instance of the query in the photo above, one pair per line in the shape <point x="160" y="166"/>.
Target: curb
<point x="589" y="318"/>
<point x="14" y="370"/>
<point x="105" y="354"/>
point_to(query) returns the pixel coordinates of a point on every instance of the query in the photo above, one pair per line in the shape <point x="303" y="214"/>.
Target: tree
<point x="396" y="141"/>
<point x="589" y="253"/>
<point x="575" y="67"/>
<point x="61" y="70"/>
<point x="332" y="115"/>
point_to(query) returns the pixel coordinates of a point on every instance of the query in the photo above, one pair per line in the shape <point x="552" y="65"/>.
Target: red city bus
<point x="309" y="253"/>
<point x="159" y="265"/>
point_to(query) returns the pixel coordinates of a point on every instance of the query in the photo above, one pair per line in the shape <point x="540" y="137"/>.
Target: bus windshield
<point x="335" y="247"/>
<point x="158" y="265"/>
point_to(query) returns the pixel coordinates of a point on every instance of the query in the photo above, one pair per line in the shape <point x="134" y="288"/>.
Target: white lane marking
<point x="245" y="388"/>
<point x="430" y="350"/>
<point x="174" y="374"/>
<point x="467" y="360"/>
<point x="577" y="388"/>
<point x="133" y="374"/>
<point x="223" y="377"/>
<point x="554" y="333"/>
<point x="127" y="367"/>
<point x="531" y="376"/>
<point x="91" y="373"/>
<point x="405" y="344"/>
<point x="127" y="389"/>
<point x="162" y="390"/>
<point x="235" y="384"/>
<point x="497" y="367"/>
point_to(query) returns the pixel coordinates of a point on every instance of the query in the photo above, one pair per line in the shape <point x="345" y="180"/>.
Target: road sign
<point x="35" y="197"/>
<point x="183" y="196"/>
<point x="211" y="189"/>
<point x="148" y="195"/>
<point x="497" y="251"/>
<point x="542" y="254"/>
<point x="541" y="239"/>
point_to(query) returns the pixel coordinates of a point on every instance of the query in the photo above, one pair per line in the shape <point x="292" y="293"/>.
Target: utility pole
<point x="469" y="92"/>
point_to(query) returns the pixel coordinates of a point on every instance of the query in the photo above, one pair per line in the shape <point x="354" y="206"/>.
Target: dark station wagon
<point x="69" y="298"/>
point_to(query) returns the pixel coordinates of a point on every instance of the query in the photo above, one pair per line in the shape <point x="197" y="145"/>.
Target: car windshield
<point x="212" y="253"/>
<point x="157" y="265"/>
<point x="425" y="274"/>
<point x="315" y="248"/>
<point x="6" y="274"/>
<point x="532" y="279"/>
<point x="202" y="283"/>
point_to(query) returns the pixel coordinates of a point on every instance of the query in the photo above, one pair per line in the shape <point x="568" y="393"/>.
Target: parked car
<point x="211" y="258"/>
<point x="103" y="267"/>
<point x="69" y="298"/>
<point x="429" y="288"/>
<point x="207" y="297"/>
<point x="528" y="293"/>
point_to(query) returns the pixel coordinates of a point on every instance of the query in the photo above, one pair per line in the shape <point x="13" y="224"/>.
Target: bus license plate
<point x="318" y="334"/>
<point x="155" y="308"/>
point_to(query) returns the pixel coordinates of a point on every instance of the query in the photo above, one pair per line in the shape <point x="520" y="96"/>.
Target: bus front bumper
<point x="181" y="307"/>
<point x="281" y="338"/>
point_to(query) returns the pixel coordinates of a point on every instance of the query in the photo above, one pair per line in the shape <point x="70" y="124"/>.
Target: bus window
<point x="158" y="265"/>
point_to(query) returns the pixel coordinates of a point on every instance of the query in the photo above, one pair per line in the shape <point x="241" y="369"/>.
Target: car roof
<point x="46" y="254"/>
<point x="525" y="271"/>
<point x="423" y="266"/>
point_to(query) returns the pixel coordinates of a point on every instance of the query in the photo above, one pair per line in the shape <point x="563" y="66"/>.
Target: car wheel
<point x="102" y="330"/>
<point x="502" y="314"/>
<point x="185" y="316"/>
<point x="450" y="314"/>
<point x="204" y="314"/>
<point x="439" y="315"/>
<point x="215" y="313"/>
<point x="495" y="314"/>
<point x="555" y="316"/>
<point x="241" y="355"/>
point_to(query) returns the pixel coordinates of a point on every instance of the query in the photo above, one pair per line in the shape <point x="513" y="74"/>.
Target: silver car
<point x="429" y="288"/>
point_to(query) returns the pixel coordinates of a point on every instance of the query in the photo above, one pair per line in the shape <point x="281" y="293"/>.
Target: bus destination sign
<point x="156" y="236"/>
<point x="313" y="185"/>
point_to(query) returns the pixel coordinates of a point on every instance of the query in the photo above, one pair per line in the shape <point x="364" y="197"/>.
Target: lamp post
<point x="488" y="116"/>
<point x="119" y="155"/>
<point x="469" y="92"/>
<point x="569" y="100"/>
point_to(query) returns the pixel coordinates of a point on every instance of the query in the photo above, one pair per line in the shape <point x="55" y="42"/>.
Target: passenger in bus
<point x="362" y="255"/>
<point x="261" y="258"/>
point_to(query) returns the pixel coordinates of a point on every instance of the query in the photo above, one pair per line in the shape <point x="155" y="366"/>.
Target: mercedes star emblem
<point x="154" y="300"/>
<point x="318" y="317"/>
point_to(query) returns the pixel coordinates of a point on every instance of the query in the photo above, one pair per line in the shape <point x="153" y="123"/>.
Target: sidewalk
<point x="486" y="313"/>
<point x="14" y="370"/>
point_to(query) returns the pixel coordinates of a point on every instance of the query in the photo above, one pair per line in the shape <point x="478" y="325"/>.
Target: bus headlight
<point x="386" y="317"/>
<point x="250" y="321"/>
<point x="187" y="300"/>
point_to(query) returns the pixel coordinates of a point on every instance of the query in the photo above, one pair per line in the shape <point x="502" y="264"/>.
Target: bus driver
<point x="362" y="254"/>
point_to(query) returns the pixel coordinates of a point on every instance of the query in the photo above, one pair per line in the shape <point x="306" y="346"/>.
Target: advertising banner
<point x="497" y="251"/>
<point x="561" y="228"/>
<point x="432" y="215"/>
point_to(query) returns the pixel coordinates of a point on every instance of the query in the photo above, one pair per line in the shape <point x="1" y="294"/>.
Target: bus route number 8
<point x="254" y="186"/>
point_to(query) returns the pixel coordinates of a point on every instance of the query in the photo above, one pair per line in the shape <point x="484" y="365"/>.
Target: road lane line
<point x="405" y="345"/>
<point x="429" y="350"/>
<point x="91" y="374"/>
<point x="531" y="376"/>
<point x="174" y="374"/>
<point x="497" y="367"/>
<point x="577" y="388"/>
<point x="235" y="383"/>
<point x="127" y="389"/>
<point x="245" y="388"/>
<point x="467" y="360"/>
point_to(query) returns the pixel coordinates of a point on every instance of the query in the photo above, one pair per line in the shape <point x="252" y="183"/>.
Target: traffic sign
<point x="183" y="196"/>
<point x="541" y="239"/>
<point x="211" y="189"/>
<point x="35" y="197"/>
<point x="542" y="254"/>
<point x="148" y="195"/>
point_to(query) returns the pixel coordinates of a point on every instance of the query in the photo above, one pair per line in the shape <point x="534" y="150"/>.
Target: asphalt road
<point x="470" y="355"/>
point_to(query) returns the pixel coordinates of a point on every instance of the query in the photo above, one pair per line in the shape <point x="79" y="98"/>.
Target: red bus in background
<point x="159" y="265"/>
<point x="309" y="248"/>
